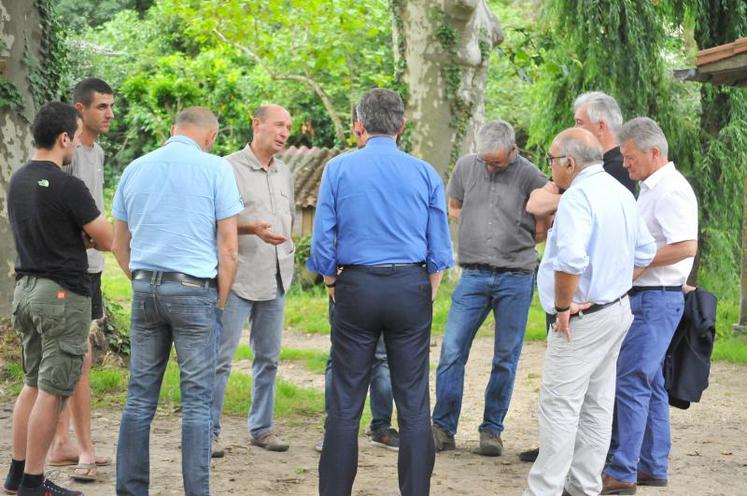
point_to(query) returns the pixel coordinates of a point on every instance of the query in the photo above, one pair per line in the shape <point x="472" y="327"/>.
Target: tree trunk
<point x="20" y="24"/>
<point x="442" y="50"/>
<point x="742" y="326"/>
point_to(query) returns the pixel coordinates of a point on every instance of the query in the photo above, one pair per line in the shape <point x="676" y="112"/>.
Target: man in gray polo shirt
<point x="488" y="192"/>
<point x="264" y="273"/>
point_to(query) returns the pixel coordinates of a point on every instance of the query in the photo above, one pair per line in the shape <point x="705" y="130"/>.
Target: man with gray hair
<point x="381" y="241"/>
<point x="596" y="246"/>
<point x="488" y="191"/>
<point x="641" y="439"/>
<point x="599" y="114"/>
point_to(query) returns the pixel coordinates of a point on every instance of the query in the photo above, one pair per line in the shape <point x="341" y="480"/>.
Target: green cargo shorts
<point x="52" y="323"/>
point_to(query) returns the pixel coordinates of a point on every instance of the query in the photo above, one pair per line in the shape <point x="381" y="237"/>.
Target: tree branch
<point x="305" y="79"/>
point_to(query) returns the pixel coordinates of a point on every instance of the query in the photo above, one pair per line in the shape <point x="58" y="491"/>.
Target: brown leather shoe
<point x="645" y="479"/>
<point x="610" y="485"/>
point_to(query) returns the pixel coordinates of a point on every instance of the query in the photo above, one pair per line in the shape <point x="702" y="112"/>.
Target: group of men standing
<point x="207" y="244"/>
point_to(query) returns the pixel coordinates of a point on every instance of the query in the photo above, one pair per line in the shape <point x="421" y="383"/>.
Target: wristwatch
<point x="562" y="309"/>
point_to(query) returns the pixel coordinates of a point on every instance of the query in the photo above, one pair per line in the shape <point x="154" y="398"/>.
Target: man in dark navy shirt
<point x="51" y="215"/>
<point x="381" y="241"/>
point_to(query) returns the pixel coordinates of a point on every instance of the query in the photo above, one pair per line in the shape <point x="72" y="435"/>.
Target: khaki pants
<point x="576" y="403"/>
<point x="52" y="323"/>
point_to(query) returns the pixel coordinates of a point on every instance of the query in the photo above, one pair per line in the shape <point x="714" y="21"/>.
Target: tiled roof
<point x="723" y="64"/>
<point x="307" y="165"/>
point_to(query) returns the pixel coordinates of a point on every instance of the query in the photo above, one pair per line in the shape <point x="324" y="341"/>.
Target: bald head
<point x="197" y="123"/>
<point x="581" y="145"/>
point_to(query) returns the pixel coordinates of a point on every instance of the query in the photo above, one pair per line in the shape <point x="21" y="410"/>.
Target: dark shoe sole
<point x="619" y="491"/>
<point x="277" y="449"/>
<point x="217" y="454"/>
<point x="446" y="447"/>
<point x="488" y="451"/>
<point x="654" y="482"/>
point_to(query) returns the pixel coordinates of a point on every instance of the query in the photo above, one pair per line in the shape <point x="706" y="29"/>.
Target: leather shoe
<point x="610" y="485"/>
<point x="645" y="479"/>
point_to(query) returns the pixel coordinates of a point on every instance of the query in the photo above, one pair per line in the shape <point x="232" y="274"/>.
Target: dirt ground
<point x="709" y="453"/>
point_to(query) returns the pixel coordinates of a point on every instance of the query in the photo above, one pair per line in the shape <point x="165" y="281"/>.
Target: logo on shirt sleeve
<point x="43" y="183"/>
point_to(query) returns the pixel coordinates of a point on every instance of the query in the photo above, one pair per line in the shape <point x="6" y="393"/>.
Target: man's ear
<point x="402" y="127"/>
<point x="79" y="106"/>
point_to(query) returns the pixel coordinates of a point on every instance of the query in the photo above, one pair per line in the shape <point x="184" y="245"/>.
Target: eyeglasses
<point x="550" y="158"/>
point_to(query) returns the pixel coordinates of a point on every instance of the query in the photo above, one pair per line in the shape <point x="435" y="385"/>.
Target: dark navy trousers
<point x="395" y="300"/>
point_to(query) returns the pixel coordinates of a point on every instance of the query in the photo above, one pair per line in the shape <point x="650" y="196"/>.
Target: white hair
<point x="493" y="136"/>
<point x="646" y="134"/>
<point x="600" y="107"/>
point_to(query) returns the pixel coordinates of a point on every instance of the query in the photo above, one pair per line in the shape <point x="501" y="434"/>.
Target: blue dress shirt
<point x="599" y="234"/>
<point x="171" y="199"/>
<point x="378" y="205"/>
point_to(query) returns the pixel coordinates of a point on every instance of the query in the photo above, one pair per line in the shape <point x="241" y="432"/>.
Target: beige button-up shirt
<point x="268" y="197"/>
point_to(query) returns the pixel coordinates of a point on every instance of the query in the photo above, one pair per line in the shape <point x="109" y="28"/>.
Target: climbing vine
<point x="452" y="73"/>
<point x="400" y="67"/>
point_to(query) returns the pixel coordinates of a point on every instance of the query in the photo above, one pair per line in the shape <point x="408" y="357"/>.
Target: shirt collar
<point x="651" y="181"/>
<point x="384" y="141"/>
<point x="253" y="162"/>
<point x="180" y="138"/>
<point x="588" y="171"/>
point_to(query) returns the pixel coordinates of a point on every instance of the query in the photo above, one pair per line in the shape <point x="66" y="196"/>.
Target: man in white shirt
<point x="641" y="439"/>
<point x="597" y="240"/>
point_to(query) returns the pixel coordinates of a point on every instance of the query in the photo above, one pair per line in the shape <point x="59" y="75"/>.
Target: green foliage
<point x="10" y="98"/>
<point x="46" y="74"/>
<point x="78" y="15"/>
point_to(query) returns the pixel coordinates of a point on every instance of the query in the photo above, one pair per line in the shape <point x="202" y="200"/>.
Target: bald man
<point x="175" y="235"/>
<point x="596" y="244"/>
<point x="264" y="274"/>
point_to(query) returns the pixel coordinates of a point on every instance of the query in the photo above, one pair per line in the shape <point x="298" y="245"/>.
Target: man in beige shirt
<point x="264" y="274"/>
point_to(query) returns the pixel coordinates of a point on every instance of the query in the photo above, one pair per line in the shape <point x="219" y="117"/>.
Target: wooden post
<point x="742" y="325"/>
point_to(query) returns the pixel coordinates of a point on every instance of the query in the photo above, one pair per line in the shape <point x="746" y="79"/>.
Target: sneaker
<point x="218" y="451"/>
<point x="386" y="437"/>
<point x="490" y="444"/>
<point x="319" y="446"/>
<point x="48" y="488"/>
<point x="269" y="441"/>
<point x="529" y="455"/>
<point x="442" y="439"/>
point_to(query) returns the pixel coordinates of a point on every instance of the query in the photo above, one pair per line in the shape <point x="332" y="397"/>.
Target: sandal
<point x="85" y="472"/>
<point x="101" y="461"/>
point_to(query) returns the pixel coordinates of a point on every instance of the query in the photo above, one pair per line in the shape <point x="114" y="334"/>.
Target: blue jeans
<point x="640" y="434"/>
<point x="163" y="314"/>
<point x="381" y="384"/>
<point x="508" y="295"/>
<point x="266" y="323"/>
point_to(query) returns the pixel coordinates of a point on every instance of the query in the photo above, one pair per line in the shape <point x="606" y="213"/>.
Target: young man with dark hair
<point x="50" y="213"/>
<point x="94" y="99"/>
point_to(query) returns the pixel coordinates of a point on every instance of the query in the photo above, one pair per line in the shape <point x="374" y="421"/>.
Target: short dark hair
<point x="381" y="111"/>
<point x="53" y="119"/>
<point x="83" y="91"/>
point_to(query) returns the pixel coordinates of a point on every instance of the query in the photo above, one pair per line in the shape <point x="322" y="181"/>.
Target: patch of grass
<point x="732" y="349"/>
<point x="315" y="361"/>
<point x="306" y="310"/>
<point x="108" y="386"/>
<point x="114" y="283"/>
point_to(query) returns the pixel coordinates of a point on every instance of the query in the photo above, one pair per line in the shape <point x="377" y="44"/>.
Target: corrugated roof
<point x="723" y="64"/>
<point x="307" y="165"/>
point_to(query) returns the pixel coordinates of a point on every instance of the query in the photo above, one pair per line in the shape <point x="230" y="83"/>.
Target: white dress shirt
<point x="668" y="205"/>
<point x="598" y="234"/>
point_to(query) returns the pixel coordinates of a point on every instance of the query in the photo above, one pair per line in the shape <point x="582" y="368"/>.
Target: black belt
<point x="159" y="277"/>
<point x="638" y="289"/>
<point x="598" y="306"/>
<point x="383" y="266"/>
<point x="490" y="268"/>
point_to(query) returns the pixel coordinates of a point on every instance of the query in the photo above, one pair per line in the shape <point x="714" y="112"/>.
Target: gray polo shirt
<point x="494" y="226"/>
<point x="88" y="166"/>
<point x="268" y="196"/>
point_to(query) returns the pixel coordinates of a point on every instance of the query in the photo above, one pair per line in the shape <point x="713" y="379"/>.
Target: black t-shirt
<point x="47" y="210"/>
<point x="613" y="164"/>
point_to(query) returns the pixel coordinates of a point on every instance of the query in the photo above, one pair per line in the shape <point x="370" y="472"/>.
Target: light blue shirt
<point x="599" y="234"/>
<point x="378" y="205"/>
<point x="171" y="199"/>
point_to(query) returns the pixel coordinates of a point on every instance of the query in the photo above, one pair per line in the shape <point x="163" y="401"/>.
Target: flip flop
<point x="85" y="472"/>
<point x="101" y="461"/>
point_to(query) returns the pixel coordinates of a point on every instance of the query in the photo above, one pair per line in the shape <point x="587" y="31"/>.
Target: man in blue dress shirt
<point x="381" y="241"/>
<point x="597" y="245"/>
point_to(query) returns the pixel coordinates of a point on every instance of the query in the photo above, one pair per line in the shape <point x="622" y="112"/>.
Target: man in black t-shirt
<point x="52" y="217"/>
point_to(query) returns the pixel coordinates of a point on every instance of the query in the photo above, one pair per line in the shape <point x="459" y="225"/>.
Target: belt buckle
<point x="190" y="284"/>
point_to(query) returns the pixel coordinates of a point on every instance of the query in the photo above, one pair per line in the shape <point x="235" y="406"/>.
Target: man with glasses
<point x="488" y="192"/>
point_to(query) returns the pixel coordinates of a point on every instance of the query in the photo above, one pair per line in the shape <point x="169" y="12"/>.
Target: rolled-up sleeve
<point x="440" y="255"/>
<point x="573" y="225"/>
<point x="323" y="257"/>
<point x="645" y="245"/>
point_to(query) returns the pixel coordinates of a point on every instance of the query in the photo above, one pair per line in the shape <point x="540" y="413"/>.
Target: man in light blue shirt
<point x="381" y="241"/>
<point x="175" y="231"/>
<point x="596" y="247"/>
